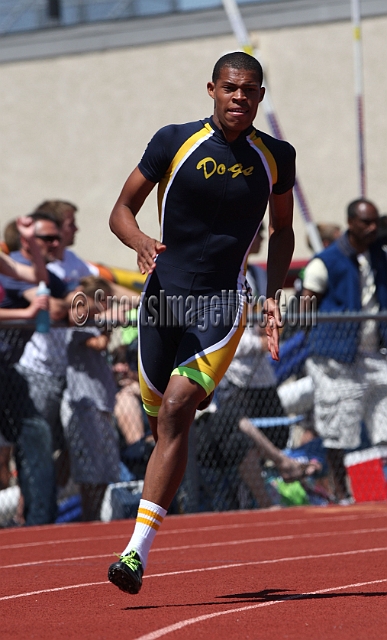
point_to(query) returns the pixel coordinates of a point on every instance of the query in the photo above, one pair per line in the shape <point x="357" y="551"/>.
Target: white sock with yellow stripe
<point x="148" y="521"/>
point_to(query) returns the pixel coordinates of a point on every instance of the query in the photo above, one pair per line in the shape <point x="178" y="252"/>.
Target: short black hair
<point x="237" y="60"/>
<point x="352" y="209"/>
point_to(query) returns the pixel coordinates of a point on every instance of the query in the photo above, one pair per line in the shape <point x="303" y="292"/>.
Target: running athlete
<point x="215" y="178"/>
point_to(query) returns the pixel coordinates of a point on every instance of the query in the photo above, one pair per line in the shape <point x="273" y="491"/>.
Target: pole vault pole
<point x="358" y="63"/>
<point x="242" y="36"/>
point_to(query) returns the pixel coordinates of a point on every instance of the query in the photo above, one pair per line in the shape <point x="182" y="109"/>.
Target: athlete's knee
<point x="181" y="400"/>
<point x="177" y="407"/>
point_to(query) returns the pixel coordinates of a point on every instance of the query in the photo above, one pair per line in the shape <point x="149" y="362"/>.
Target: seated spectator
<point x="131" y="421"/>
<point x="88" y="405"/>
<point x="303" y="464"/>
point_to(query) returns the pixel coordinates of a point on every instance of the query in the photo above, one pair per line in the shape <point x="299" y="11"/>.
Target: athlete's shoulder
<point x="164" y="146"/>
<point x="277" y="147"/>
<point x="284" y="165"/>
<point x="181" y="131"/>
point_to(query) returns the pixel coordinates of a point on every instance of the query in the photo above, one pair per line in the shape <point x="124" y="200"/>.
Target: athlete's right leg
<point x="178" y="370"/>
<point x="163" y="476"/>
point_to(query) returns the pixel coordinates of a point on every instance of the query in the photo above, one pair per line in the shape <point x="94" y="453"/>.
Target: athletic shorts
<point x="187" y="327"/>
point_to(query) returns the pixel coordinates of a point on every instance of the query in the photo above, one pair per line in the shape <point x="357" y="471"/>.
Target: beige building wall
<point x="73" y="127"/>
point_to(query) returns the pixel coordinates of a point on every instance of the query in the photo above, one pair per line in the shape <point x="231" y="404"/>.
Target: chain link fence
<point x="75" y="442"/>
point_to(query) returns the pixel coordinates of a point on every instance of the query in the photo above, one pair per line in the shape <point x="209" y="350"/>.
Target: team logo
<point x="210" y="167"/>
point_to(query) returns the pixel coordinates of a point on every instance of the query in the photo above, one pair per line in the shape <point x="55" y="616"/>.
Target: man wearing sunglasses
<point x="28" y="429"/>
<point x="18" y="293"/>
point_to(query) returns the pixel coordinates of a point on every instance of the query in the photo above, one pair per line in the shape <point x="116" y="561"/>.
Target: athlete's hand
<point x="147" y="252"/>
<point x="273" y="322"/>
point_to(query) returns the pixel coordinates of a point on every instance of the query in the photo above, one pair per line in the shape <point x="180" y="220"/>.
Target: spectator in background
<point x="18" y="293"/>
<point x="88" y="404"/>
<point x="20" y="422"/>
<point x="382" y="234"/>
<point x="45" y="355"/>
<point x="349" y="372"/>
<point x="68" y="266"/>
<point x="329" y="232"/>
<point x="11" y="236"/>
<point x="42" y="360"/>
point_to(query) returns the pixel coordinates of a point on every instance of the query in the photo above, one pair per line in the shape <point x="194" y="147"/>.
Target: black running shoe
<point x="127" y="573"/>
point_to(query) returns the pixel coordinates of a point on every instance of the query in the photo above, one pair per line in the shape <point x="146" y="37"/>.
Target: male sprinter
<point x="215" y="178"/>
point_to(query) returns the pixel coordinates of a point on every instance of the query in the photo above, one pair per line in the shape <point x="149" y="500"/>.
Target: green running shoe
<point x="127" y="573"/>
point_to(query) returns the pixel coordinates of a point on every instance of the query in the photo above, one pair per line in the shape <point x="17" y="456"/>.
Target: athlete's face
<point x="237" y="94"/>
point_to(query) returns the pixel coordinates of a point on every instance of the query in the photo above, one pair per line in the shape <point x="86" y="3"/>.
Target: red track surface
<point x="316" y="573"/>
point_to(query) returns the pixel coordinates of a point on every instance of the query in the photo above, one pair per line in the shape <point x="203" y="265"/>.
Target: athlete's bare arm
<point x="124" y="225"/>
<point x="280" y="252"/>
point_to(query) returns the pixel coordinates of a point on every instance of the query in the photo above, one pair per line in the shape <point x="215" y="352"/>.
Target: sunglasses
<point x="52" y="238"/>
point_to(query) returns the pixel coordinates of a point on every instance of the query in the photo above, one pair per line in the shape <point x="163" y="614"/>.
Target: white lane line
<point x="238" y="542"/>
<point x="203" y="569"/>
<point x="297" y="536"/>
<point x="274" y="561"/>
<point x="194" y="529"/>
<point x="37" y="593"/>
<point x="159" y="633"/>
<point x="56" y="561"/>
<point x="45" y="543"/>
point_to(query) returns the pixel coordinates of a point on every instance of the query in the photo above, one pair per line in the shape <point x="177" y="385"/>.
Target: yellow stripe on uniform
<point x="272" y="165"/>
<point x="213" y="364"/>
<point x="184" y="149"/>
<point x="151" y="400"/>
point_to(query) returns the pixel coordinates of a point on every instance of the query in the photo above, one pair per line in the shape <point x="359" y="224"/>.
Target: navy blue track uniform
<point x="212" y="196"/>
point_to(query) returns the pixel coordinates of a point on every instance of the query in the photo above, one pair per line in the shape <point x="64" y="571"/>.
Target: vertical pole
<point x="358" y="64"/>
<point x="240" y="32"/>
